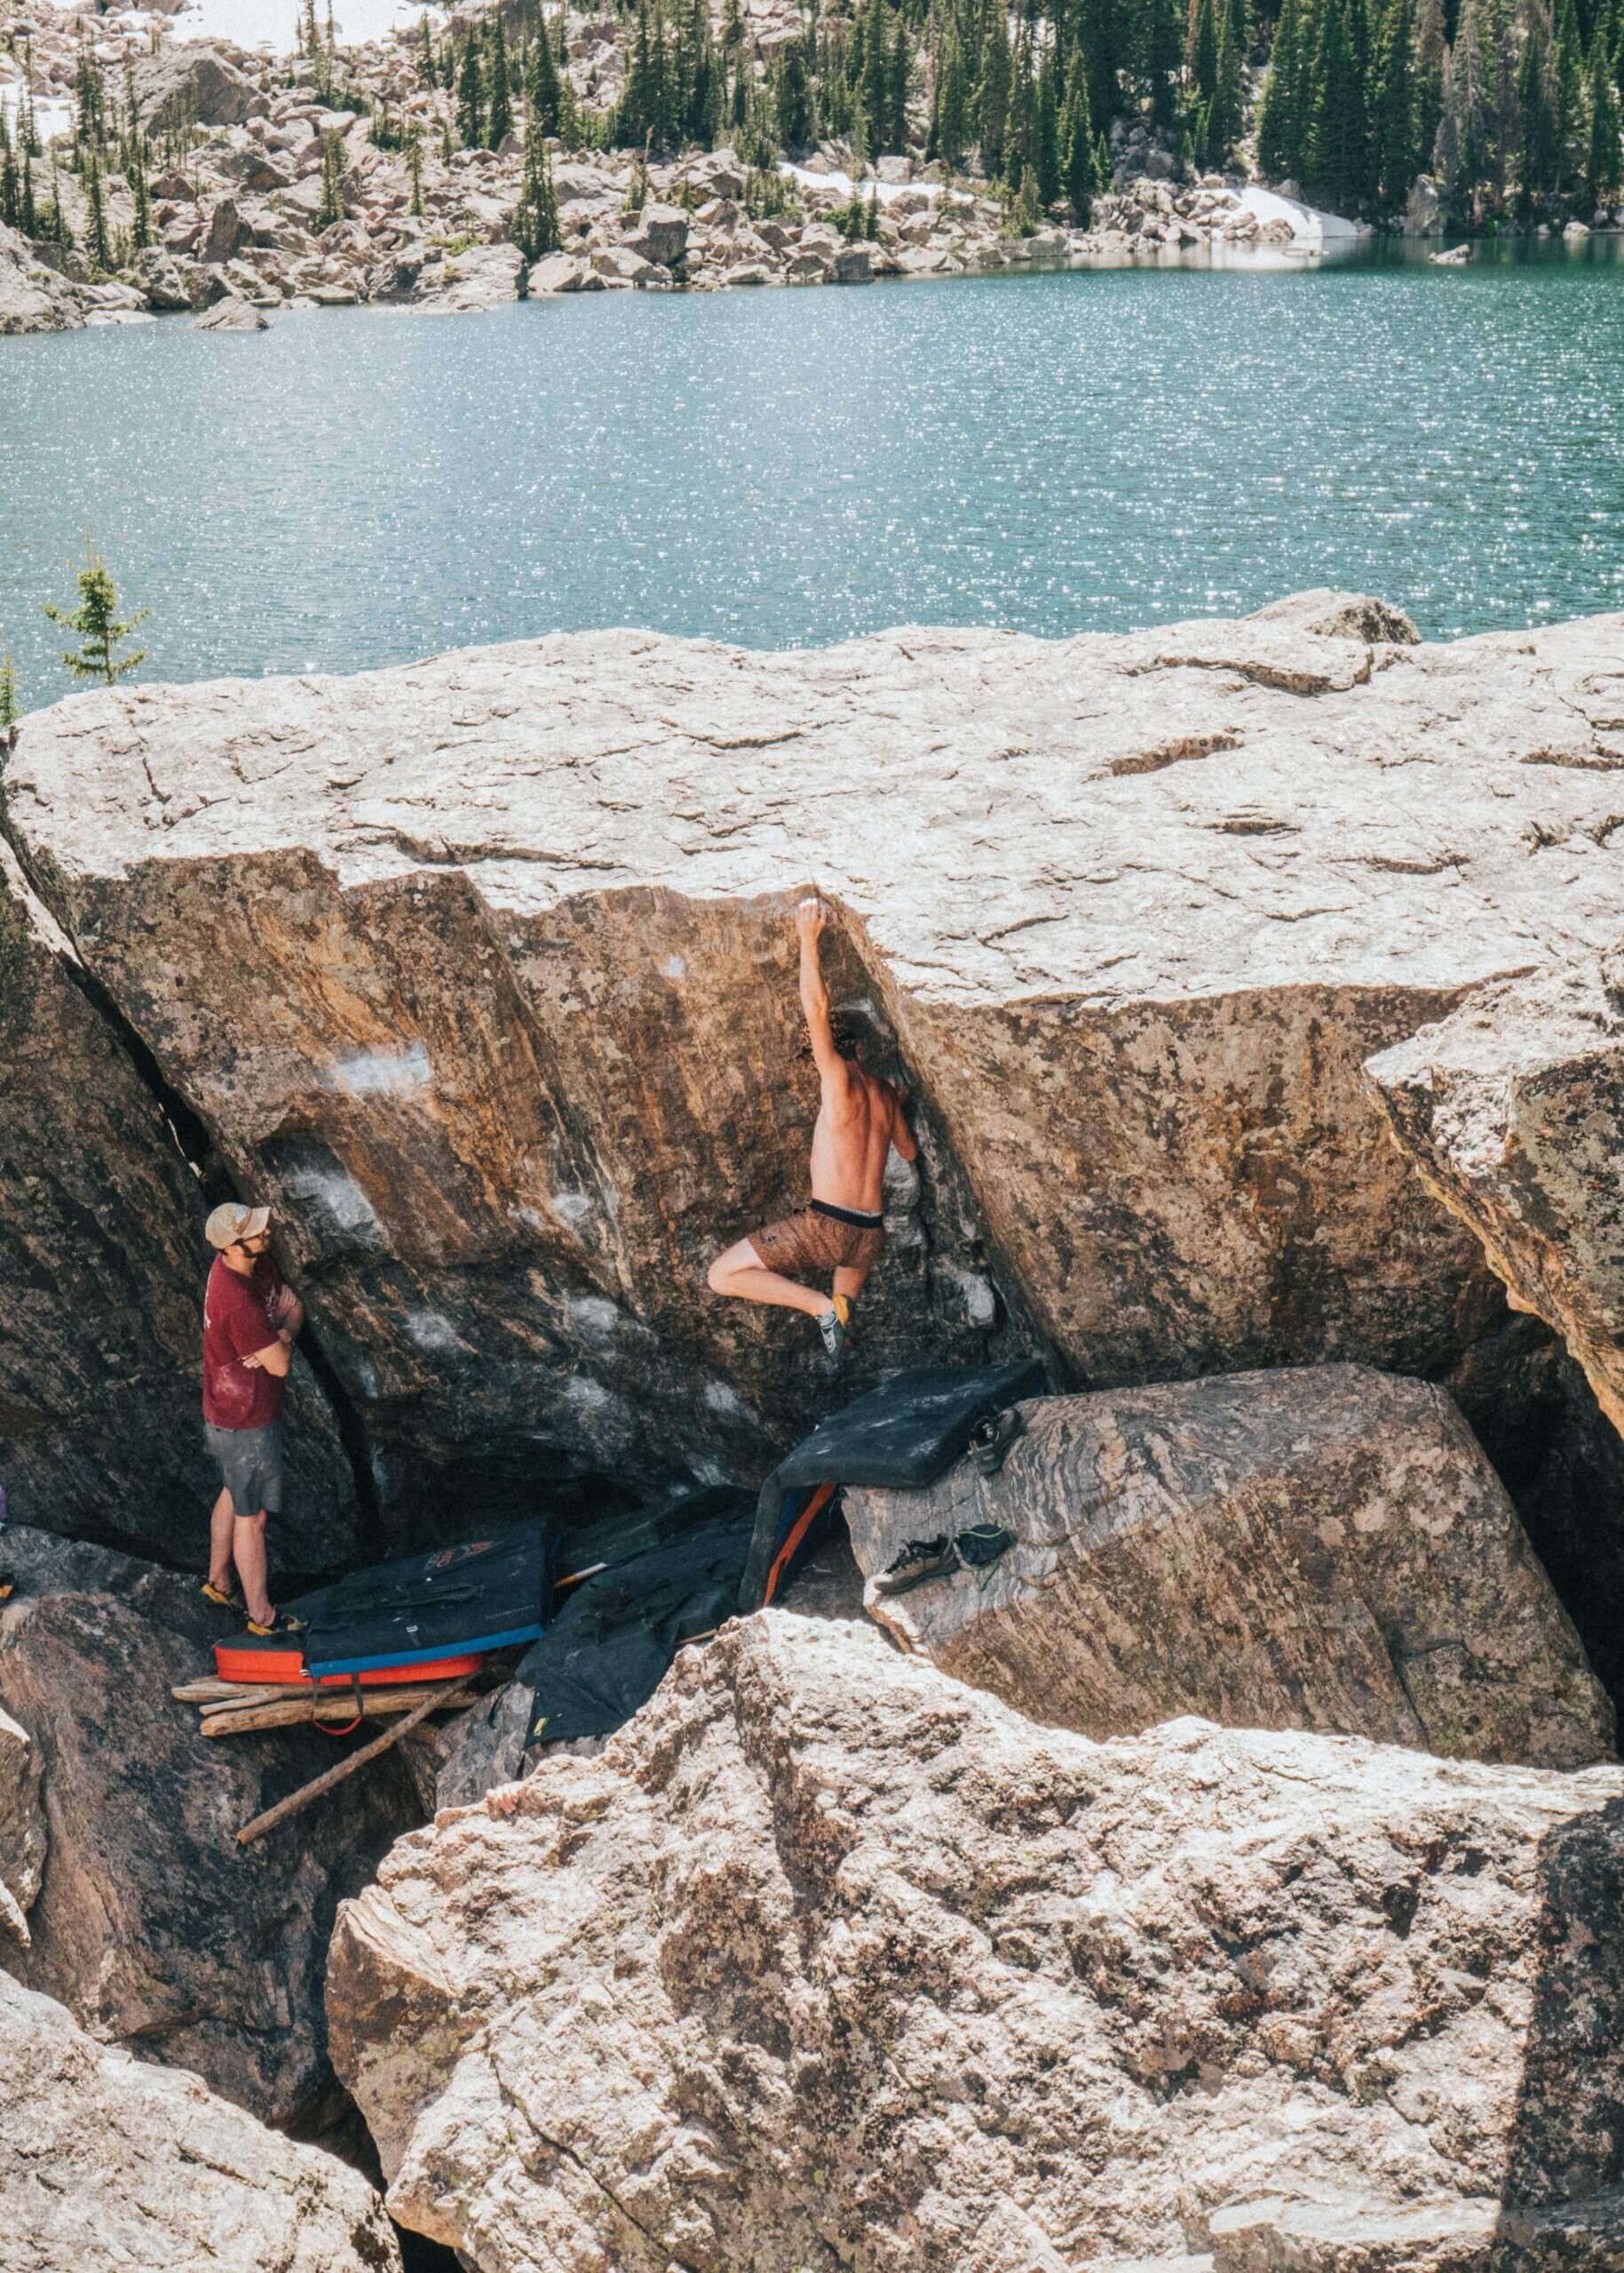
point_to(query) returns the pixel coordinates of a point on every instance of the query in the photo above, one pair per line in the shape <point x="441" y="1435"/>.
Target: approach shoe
<point x="920" y="1559"/>
<point x="833" y="1323"/>
<point x="991" y="1437"/>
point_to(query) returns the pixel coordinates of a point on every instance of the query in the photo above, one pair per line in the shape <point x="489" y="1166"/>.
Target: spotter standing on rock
<point x="842" y="1230"/>
<point x="251" y="1319"/>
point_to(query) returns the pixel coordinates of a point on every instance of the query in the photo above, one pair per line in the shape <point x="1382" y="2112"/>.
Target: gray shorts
<point x="250" y="1466"/>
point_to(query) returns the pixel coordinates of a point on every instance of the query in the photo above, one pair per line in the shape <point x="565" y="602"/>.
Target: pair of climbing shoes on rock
<point x="977" y="1548"/>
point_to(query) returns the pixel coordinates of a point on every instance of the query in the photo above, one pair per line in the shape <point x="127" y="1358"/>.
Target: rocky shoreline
<point x="238" y="215"/>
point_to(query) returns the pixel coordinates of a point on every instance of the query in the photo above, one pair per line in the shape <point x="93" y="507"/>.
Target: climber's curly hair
<point x="850" y="1040"/>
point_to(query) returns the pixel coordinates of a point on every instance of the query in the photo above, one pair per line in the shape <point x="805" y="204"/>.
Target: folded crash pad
<point x="899" y="1436"/>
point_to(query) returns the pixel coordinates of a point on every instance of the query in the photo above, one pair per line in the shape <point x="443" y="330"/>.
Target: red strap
<point x="798" y="1529"/>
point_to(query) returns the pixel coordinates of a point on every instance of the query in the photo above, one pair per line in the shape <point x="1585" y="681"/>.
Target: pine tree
<point x="1567" y="98"/>
<point x="331" y="207"/>
<point x="543" y="92"/>
<point x="1536" y="138"/>
<point x="1224" y="112"/>
<point x="1079" y="179"/>
<point x="11" y="707"/>
<point x="96" y="225"/>
<point x="1604" y="166"/>
<point x="1046" y="129"/>
<point x="135" y="174"/>
<point x="1203" y="62"/>
<point x="27" y="218"/>
<point x="992" y="94"/>
<point x="1159" y="57"/>
<point x="499" y="115"/>
<point x="426" y="59"/>
<point x="535" y="224"/>
<point x="10" y="186"/>
<point x="700" y="80"/>
<point x="414" y="168"/>
<point x="797" y="124"/>
<point x="1336" y="153"/>
<point x="1393" y="122"/>
<point x="1280" y="115"/>
<point x="471" y="97"/>
<point x="950" y="104"/>
<point x="96" y="620"/>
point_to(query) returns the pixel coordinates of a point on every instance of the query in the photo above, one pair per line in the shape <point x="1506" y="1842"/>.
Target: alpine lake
<point x="1084" y="450"/>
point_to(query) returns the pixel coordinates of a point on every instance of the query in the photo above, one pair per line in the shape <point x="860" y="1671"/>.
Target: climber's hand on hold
<point x="811" y="916"/>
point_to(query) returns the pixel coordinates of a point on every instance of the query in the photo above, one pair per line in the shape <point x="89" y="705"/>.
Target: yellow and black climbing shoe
<point x="8" y="1585"/>
<point x="833" y="1323"/>
<point x="219" y="1596"/>
<point x="278" y="1622"/>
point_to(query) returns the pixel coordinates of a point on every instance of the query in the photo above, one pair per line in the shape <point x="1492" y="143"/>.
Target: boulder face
<point x="1322" y="1548"/>
<point x="102" y="1269"/>
<point x="194" y="80"/>
<point x="1513" y="1113"/>
<point x="22" y="1828"/>
<point x="481" y="972"/>
<point x="828" y="1958"/>
<point x="106" y="2161"/>
<point x="152" y="1925"/>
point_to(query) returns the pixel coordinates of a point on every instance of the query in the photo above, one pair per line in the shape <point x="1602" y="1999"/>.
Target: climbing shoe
<point x="219" y="1596"/>
<point x="980" y="1544"/>
<point x="8" y="1585"/>
<point x="833" y="1323"/>
<point x="278" y="1622"/>
<point x="920" y="1559"/>
<point x="991" y="1438"/>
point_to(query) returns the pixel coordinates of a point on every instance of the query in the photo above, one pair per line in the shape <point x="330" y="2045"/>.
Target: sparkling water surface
<point x="1081" y="451"/>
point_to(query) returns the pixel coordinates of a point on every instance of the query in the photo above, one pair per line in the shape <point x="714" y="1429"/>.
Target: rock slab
<point x="105" y="2161"/>
<point x="529" y="1057"/>
<point x="830" y="1959"/>
<point x="1320" y="1547"/>
<point x="152" y="1925"/>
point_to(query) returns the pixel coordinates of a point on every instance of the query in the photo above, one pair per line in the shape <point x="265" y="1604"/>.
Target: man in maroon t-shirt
<point x="251" y="1318"/>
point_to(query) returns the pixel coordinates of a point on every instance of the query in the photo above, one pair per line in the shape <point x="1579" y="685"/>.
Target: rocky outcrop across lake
<point x="1324" y="1549"/>
<point x="830" y="1958"/>
<point x="243" y="205"/>
<point x="33" y="297"/>
<point x="518" y="1052"/>
<point x="152" y="1924"/>
<point x="106" y="2161"/>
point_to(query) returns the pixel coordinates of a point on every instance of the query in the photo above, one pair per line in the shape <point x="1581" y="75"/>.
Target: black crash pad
<point x="910" y="1430"/>
<point x="481" y="1594"/>
<point x="900" y="1436"/>
<point x="673" y="1572"/>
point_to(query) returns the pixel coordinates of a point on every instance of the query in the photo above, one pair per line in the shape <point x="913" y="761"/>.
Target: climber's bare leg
<point x="740" y="1273"/>
<point x="849" y="1280"/>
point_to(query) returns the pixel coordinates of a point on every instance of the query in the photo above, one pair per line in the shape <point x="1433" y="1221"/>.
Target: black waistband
<point x="861" y="1217"/>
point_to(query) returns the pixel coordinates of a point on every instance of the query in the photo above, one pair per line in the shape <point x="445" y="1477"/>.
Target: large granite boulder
<point x="102" y="1269"/>
<point x="1323" y="1547"/>
<point x="1513" y="1113"/>
<point x="33" y="297"/>
<point x="516" y="1048"/>
<point x="829" y="1958"/>
<point x="105" y="2161"/>
<point x="153" y="1925"/>
<point x="182" y="81"/>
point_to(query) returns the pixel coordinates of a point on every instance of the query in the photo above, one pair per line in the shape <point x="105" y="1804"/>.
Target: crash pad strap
<point x="820" y="1497"/>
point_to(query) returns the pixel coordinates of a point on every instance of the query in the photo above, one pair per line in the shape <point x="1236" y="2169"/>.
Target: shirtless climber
<point x="859" y="1118"/>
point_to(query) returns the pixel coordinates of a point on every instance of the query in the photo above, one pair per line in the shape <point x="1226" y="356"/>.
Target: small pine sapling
<point x="99" y="625"/>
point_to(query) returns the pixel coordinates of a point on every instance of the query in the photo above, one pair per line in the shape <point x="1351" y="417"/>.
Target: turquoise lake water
<point x="1055" y="452"/>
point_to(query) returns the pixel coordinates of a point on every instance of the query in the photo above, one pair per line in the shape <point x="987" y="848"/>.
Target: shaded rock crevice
<point x="183" y="1132"/>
